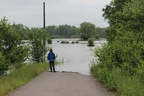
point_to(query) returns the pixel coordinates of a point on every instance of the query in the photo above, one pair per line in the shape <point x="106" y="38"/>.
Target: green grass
<point x="117" y="80"/>
<point x="20" y="77"/>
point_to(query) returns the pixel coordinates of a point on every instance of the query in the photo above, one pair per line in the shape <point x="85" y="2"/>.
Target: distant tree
<point x="51" y="30"/>
<point x="100" y="32"/>
<point x="86" y="30"/>
<point x="66" y="31"/>
<point x="97" y="33"/>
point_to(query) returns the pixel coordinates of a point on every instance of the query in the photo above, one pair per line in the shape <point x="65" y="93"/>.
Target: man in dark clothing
<point x="51" y="57"/>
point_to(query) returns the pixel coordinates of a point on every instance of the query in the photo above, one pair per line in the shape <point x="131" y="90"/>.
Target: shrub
<point x="90" y="42"/>
<point x="49" y="41"/>
<point x="64" y="42"/>
<point x="72" y="42"/>
<point x="76" y="41"/>
<point x="38" y="48"/>
<point x="3" y="64"/>
<point x="120" y="65"/>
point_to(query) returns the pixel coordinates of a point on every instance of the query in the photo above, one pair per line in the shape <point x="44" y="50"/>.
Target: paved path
<point x="62" y="84"/>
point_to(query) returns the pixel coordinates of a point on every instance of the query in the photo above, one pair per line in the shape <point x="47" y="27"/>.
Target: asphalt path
<point x="62" y="84"/>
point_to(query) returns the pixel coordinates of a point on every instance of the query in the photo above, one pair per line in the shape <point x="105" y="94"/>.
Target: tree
<point x="100" y="33"/>
<point x="111" y="13"/>
<point x="23" y="31"/>
<point x="38" y="49"/>
<point x="11" y="45"/>
<point x="133" y="17"/>
<point x="126" y="49"/>
<point x="86" y="30"/>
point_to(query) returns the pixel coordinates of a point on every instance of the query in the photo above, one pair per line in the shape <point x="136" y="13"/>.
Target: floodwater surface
<point x="74" y="57"/>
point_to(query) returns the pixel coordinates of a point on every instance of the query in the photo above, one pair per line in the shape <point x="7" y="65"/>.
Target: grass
<point x="20" y="77"/>
<point x="116" y="80"/>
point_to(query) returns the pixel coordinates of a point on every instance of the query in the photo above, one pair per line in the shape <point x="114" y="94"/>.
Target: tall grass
<point x="117" y="80"/>
<point x="20" y="77"/>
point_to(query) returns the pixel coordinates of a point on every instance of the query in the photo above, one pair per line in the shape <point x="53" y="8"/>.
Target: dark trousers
<point x="52" y="67"/>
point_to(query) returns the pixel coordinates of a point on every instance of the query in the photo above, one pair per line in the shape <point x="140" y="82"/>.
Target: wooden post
<point x="44" y="15"/>
<point x="44" y="39"/>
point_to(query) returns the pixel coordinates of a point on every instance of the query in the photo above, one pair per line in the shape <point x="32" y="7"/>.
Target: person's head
<point x="51" y="50"/>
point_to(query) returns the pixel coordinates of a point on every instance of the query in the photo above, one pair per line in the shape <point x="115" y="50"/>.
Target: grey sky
<point x="58" y="12"/>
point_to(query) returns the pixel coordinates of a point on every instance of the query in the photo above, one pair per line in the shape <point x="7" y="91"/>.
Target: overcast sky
<point x="58" y="12"/>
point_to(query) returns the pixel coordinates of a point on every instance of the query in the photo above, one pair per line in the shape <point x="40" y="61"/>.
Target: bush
<point x="76" y="41"/>
<point x="120" y="65"/>
<point x="90" y="42"/>
<point x="64" y="42"/>
<point x="72" y="42"/>
<point x="126" y="54"/>
<point x="3" y="64"/>
<point x="49" y="41"/>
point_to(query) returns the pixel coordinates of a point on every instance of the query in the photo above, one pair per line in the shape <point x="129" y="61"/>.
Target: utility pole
<point x="44" y="15"/>
<point x="44" y="39"/>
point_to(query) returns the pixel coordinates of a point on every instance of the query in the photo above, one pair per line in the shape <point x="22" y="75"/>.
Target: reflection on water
<point x="73" y="57"/>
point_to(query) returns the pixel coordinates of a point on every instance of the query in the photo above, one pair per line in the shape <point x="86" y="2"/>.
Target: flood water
<point x="73" y="57"/>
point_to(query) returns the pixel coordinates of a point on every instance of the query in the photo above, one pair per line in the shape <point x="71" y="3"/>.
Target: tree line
<point x="67" y="31"/>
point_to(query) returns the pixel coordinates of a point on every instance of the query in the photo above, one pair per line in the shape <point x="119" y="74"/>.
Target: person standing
<point x="51" y="58"/>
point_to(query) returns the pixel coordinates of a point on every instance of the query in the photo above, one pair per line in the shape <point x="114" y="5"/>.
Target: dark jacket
<point x="51" y="56"/>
